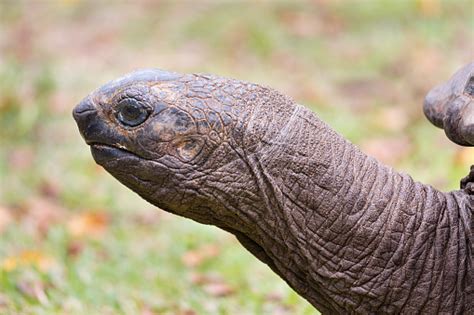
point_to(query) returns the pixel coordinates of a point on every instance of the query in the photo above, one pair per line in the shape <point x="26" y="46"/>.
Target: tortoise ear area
<point x="171" y="122"/>
<point x="187" y="149"/>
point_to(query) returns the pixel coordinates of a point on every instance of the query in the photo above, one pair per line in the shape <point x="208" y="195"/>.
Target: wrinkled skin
<point x="346" y="232"/>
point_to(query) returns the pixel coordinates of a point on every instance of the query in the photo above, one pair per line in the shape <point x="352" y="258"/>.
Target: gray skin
<point x="451" y="106"/>
<point x="346" y="232"/>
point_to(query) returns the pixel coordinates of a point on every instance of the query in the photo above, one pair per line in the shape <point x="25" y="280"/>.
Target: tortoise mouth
<point x="104" y="153"/>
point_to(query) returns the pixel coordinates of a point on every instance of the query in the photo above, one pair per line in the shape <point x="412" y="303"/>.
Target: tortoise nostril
<point x="82" y="108"/>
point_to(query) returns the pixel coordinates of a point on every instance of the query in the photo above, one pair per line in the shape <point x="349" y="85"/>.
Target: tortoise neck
<point x="333" y="206"/>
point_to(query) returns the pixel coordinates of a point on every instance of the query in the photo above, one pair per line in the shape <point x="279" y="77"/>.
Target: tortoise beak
<point x="81" y="109"/>
<point x="84" y="114"/>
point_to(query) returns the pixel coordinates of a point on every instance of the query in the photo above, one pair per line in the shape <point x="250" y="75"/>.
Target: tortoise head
<point x="142" y="114"/>
<point x="169" y="137"/>
<point x="451" y="106"/>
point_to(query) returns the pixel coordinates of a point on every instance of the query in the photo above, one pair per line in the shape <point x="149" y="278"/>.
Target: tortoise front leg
<point x="450" y="106"/>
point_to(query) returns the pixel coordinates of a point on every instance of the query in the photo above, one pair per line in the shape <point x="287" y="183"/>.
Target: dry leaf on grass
<point x="28" y="258"/>
<point x="197" y="256"/>
<point x="88" y="224"/>
<point x="74" y="248"/>
<point x="218" y="289"/>
<point x="212" y="284"/>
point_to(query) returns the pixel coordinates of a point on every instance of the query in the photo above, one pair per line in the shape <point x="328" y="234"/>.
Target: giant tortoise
<point x="348" y="233"/>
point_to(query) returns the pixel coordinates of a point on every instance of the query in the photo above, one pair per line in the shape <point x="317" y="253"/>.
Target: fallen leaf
<point x="26" y="258"/>
<point x="212" y="284"/>
<point x="74" y="248"/>
<point x="88" y="224"/>
<point x="218" y="289"/>
<point x="197" y="256"/>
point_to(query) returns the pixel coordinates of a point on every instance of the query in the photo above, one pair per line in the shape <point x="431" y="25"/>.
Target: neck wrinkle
<point x="345" y="231"/>
<point x="350" y="222"/>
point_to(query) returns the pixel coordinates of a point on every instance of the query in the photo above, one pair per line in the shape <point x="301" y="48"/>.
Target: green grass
<point x="355" y="63"/>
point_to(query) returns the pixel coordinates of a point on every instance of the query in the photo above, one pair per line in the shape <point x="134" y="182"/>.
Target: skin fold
<point x="346" y="232"/>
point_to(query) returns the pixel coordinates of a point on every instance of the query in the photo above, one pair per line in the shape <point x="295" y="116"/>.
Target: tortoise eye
<point x="131" y="113"/>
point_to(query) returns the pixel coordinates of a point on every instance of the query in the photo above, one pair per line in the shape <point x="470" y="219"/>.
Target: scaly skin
<point x="346" y="232"/>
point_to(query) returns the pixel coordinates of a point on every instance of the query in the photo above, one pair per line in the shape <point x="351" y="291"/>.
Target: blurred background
<point x="74" y="241"/>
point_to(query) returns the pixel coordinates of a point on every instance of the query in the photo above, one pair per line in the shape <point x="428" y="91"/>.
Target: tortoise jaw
<point x="104" y="153"/>
<point x="101" y="146"/>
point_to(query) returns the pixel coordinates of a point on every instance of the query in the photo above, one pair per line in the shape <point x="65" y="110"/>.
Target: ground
<point x="74" y="241"/>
